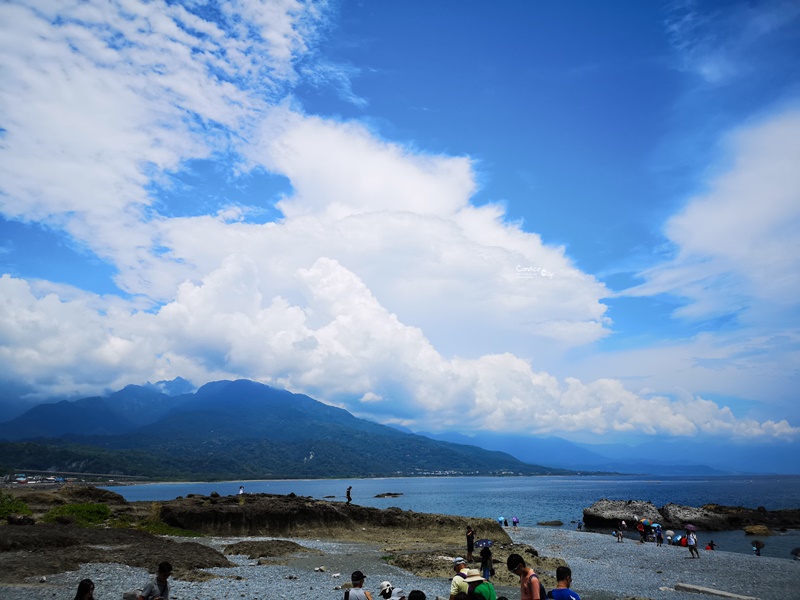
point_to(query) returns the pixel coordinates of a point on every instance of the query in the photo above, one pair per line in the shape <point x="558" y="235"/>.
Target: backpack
<point x="542" y="591"/>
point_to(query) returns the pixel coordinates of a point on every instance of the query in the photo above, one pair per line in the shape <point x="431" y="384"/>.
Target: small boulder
<point x="757" y="530"/>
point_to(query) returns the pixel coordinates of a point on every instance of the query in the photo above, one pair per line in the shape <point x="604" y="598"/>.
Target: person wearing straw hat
<point x="478" y="586"/>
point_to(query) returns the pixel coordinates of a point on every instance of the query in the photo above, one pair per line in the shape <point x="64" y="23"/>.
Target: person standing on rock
<point x="349" y="498"/>
<point x="158" y="588"/>
<point x="458" y="583"/>
<point x="357" y="592"/>
<point x="487" y="568"/>
<point x="470" y="542"/>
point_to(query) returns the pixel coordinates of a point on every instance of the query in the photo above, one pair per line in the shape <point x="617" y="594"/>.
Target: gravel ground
<point x="602" y="570"/>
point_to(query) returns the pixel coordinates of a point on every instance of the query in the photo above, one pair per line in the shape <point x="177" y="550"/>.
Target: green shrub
<point x="80" y="514"/>
<point x="10" y="505"/>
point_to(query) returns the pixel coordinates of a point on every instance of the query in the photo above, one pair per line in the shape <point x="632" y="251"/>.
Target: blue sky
<point x="579" y="219"/>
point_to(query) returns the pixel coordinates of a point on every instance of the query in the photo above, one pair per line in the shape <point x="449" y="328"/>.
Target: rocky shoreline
<point x="710" y="517"/>
<point x="266" y="546"/>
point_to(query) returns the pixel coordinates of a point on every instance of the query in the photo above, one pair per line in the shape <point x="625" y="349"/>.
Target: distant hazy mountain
<point x="661" y="456"/>
<point x="234" y="429"/>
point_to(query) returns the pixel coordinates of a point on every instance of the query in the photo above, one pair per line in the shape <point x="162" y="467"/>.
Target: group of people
<point x="155" y="589"/>
<point x="386" y="590"/>
<point x="689" y="540"/>
<point x="504" y="522"/>
<point x="472" y="584"/>
<point x="475" y="584"/>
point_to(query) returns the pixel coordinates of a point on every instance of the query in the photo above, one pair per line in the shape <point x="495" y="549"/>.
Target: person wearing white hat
<point x="385" y="590"/>
<point x="458" y="584"/>
<point x="397" y="594"/>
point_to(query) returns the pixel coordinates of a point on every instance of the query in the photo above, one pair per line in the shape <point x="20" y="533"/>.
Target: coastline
<point x="602" y="570"/>
<point x="365" y="539"/>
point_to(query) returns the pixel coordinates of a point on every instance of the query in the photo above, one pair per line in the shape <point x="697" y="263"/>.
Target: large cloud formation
<point x="382" y="288"/>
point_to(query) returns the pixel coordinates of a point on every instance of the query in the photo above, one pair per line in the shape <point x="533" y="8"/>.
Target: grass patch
<point x="9" y="505"/>
<point x="83" y="515"/>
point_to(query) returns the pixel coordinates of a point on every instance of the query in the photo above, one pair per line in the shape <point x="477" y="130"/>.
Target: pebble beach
<point x="602" y="570"/>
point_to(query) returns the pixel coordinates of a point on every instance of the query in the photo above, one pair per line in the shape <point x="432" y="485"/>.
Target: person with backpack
<point x="479" y="588"/>
<point x="562" y="591"/>
<point x="530" y="588"/>
<point x="458" y="584"/>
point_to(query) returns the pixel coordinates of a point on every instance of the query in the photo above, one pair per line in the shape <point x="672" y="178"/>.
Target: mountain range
<point x="230" y="430"/>
<point x="244" y="429"/>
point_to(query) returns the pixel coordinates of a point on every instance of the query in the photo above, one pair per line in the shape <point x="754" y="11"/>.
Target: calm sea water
<point x="531" y="499"/>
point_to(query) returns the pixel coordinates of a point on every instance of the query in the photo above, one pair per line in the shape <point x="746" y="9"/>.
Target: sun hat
<point x="474" y="575"/>
<point x="357" y="576"/>
<point x="398" y="593"/>
<point x="385" y="585"/>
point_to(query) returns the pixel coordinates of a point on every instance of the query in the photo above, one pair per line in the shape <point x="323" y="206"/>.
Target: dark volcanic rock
<point x="43" y="548"/>
<point x="297" y="516"/>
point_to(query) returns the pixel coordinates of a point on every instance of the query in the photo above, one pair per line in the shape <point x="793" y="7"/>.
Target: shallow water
<point x="531" y="499"/>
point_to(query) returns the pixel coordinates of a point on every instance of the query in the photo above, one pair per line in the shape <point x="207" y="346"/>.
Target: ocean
<point x="530" y="499"/>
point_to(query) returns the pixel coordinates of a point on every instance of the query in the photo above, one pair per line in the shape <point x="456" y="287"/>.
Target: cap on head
<point x="459" y="561"/>
<point x="357" y="576"/>
<point x="385" y="585"/>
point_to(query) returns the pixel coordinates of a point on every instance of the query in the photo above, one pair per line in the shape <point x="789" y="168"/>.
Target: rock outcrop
<point x="710" y="517"/>
<point x="608" y="513"/>
<point x="677" y="515"/>
<point x="298" y="516"/>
